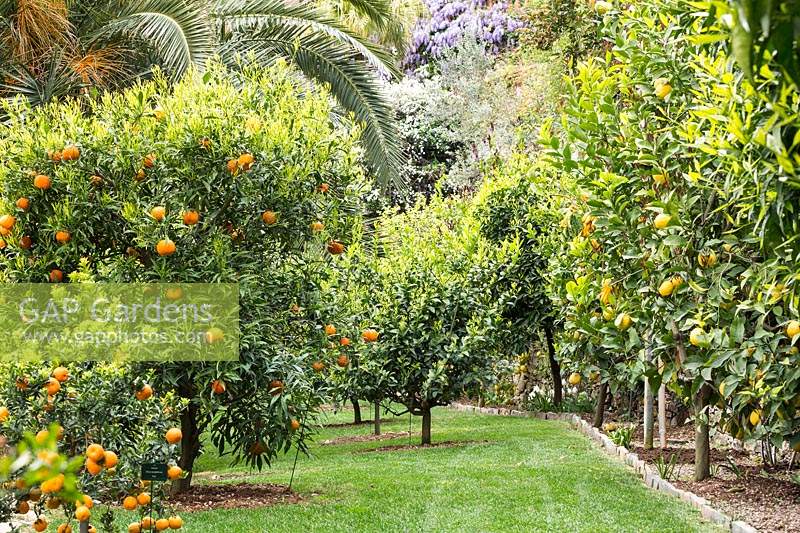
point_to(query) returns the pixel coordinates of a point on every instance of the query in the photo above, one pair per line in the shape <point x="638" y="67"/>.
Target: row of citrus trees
<point x="679" y="262"/>
<point x="221" y="178"/>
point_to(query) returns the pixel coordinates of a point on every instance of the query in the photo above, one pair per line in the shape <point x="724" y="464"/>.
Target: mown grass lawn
<point x="517" y="475"/>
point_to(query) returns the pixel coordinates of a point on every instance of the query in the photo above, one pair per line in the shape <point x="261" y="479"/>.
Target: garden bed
<point x="234" y="496"/>
<point x="740" y="485"/>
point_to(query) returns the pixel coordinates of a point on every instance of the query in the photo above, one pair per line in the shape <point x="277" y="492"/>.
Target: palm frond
<point x="178" y="30"/>
<point x="356" y="87"/>
<point x="379" y="12"/>
<point x="243" y="17"/>
<point x="59" y="80"/>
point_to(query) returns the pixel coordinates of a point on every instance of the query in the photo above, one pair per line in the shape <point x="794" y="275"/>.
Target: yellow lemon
<point x="623" y="321"/>
<point x="755" y="417"/>
<point x="792" y="328"/>
<point x="666" y="288"/>
<point x="574" y="378"/>
<point x="662" y="221"/>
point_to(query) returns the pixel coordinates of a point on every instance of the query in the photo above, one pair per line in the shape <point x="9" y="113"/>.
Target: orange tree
<point x="517" y="210"/>
<point x="211" y="180"/>
<point x="428" y="302"/>
<point x="680" y="163"/>
<point x="108" y="421"/>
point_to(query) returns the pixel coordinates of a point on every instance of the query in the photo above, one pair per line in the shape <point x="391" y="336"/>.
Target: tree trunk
<point x="377" y="417"/>
<point x="648" y="415"/>
<point x="190" y="447"/>
<point x="426" y="425"/>
<point x="356" y="410"/>
<point x="702" y="446"/>
<point x="662" y="416"/>
<point x="555" y="368"/>
<point x="601" y="405"/>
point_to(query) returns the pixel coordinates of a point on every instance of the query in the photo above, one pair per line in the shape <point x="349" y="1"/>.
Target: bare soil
<point x="366" y="438"/>
<point x="443" y="444"/>
<point x="234" y="496"/>
<point x="740" y="486"/>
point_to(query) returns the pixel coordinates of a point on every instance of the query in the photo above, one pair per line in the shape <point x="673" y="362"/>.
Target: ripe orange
<point x="52" y="485"/>
<point x="23" y="203"/>
<point x="56" y="156"/>
<point x="63" y="236"/>
<point x="205" y="142"/>
<point x="40" y="524"/>
<point x="323" y="187"/>
<point x="129" y="503"/>
<point x="85" y="500"/>
<point x="165" y="247"/>
<point x="149" y="161"/>
<point x="318" y="366"/>
<point x="42" y="182"/>
<point x="3" y="243"/>
<point x="174" y="435"/>
<point x="175" y="522"/>
<point x="4" y="231"/>
<point x="4" y="413"/>
<point x="295" y="425"/>
<point x="143" y="499"/>
<point x="25" y="242"/>
<point x="92" y="467"/>
<point x="134" y="527"/>
<point x="158" y="212"/>
<point x="317" y="226"/>
<point x="343" y="361"/>
<point x="70" y="153"/>
<point x="233" y="166"/>
<point x="145" y="393"/>
<point x="61" y="374"/>
<point x="140" y="175"/>
<point x="344" y="341"/>
<point x="95" y="452"/>
<point x="335" y="248"/>
<point x="218" y="386"/>
<point x="275" y="387"/>
<point x="162" y="524"/>
<point x="22" y="383"/>
<point x="110" y="459"/>
<point x="56" y="276"/>
<point x="330" y="329"/>
<point x="369" y="335"/>
<point x="147" y="523"/>
<point x="82" y="513"/>
<point x="174" y="472"/>
<point x="64" y="528"/>
<point x="42" y="436"/>
<point x="52" y="386"/>
<point x="174" y="293"/>
<point x="23" y="507"/>
<point x="190" y="218"/>
<point x="246" y="161"/>
<point x="269" y="217"/>
<point x="8" y="221"/>
<point x="96" y="180"/>
<point x="214" y="335"/>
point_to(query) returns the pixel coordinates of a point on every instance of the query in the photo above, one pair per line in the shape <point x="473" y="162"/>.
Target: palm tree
<point x="54" y="48"/>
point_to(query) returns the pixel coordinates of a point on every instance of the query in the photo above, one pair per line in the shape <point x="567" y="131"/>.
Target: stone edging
<point x="648" y="474"/>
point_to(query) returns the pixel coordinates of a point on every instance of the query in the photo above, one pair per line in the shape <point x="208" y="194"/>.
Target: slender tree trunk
<point x="662" y="416"/>
<point x="648" y="415"/>
<point x="555" y="368"/>
<point x="600" y="408"/>
<point x="426" y="424"/>
<point x="190" y="447"/>
<point x="702" y="446"/>
<point x="377" y="417"/>
<point x="356" y="410"/>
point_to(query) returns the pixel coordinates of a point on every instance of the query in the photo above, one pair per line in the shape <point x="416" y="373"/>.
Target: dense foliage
<point x="253" y="184"/>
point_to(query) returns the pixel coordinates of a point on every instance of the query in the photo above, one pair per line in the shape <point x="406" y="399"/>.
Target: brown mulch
<point x="348" y="424"/>
<point x="365" y="438"/>
<point x="769" y="504"/>
<point x="767" y="500"/>
<point x="234" y="496"/>
<point x="443" y="444"/>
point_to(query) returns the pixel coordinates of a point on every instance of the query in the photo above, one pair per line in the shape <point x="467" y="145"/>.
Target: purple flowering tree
<point x="490" y="24"/>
